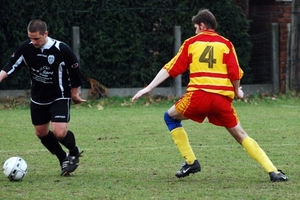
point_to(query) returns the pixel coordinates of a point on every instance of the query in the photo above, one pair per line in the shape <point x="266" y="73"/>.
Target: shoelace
<point x="71" y="158"/>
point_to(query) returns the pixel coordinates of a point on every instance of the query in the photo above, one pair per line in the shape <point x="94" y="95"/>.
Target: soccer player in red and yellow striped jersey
<point x="214" y="81"/>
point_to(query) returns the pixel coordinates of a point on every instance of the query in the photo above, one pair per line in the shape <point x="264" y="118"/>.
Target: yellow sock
<point x="182" y="142"/>
<point x="258" y="154"/>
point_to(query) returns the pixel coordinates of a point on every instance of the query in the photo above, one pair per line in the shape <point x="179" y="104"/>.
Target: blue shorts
<point x="57" y="111"/>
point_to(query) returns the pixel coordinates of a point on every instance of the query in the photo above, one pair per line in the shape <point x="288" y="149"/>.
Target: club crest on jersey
<point x="50" y="59"/>
<point x="74" y="65"/>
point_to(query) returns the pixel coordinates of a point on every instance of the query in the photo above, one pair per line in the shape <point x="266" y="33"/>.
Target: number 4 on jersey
<point x="207" y="56"/>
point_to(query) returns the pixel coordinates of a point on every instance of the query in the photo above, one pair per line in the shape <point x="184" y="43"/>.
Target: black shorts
<point x="57" y="111"/>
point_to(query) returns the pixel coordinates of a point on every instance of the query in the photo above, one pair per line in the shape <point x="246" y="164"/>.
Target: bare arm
<point x="159" y="78"/>
<point x="3" y="75"/>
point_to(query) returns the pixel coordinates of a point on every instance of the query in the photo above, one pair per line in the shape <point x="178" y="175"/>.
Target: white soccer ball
<point x="15" y="168"/>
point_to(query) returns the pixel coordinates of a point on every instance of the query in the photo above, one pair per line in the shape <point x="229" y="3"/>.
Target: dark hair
<point x="37" y="25"/>
<point x="206" y="17"/>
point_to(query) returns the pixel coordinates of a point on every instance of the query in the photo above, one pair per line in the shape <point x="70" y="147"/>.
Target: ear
<point x="202" y="26"/>
<point x="46" y="33"/>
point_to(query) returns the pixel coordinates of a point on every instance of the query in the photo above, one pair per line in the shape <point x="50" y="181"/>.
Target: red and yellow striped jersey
<point x="212" y="63"/>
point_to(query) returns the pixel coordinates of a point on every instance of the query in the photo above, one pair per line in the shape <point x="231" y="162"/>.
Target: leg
<point x="52" y="144"/>
<point x="65" y="137"/>
<point x="227" y="117"/>
<point x="181" y="140"/>
<point x="180" y="137"/>
<point x="40" y="119"/>
<point x="252" y="147"/>
<point x="49" y="140"/>
<point x="61" y="108"/>
<point x="256" y="152"/>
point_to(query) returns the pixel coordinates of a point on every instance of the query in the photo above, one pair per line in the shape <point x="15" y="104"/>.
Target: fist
<point x="240" y="93"/>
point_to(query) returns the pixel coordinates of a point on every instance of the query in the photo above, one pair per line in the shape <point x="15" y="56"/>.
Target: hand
<point x="77" y="99"/>
<point x="140" y="93"/>
<point x="240" y="93"/>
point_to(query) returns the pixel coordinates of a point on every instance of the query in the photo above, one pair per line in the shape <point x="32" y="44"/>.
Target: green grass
<point x="129" y="153"/>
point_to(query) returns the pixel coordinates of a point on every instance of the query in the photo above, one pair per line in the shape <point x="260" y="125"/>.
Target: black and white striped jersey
<point x="54" y="69"/>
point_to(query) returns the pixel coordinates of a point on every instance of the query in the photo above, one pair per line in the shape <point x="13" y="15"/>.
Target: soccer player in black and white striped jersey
<point x="55" y="80"/>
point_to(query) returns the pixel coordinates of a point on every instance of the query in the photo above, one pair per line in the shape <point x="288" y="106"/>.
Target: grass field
<point x="129" y="153"/>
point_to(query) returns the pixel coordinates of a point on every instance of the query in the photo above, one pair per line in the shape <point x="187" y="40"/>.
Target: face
<point x="37" y="39"/>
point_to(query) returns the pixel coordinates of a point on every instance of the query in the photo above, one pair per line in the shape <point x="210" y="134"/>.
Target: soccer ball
<point x="15" y="168"/>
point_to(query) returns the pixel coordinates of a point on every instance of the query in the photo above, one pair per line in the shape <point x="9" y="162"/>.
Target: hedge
<point x="122" y="43"/>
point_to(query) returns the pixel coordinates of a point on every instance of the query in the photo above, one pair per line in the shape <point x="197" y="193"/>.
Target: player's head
<point x="37" y="32"/>
<point x="204" y="20"/>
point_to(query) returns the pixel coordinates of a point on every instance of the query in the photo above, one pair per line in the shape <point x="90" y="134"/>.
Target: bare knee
<point x="59" y="133"/>
<point x="41" y="130"/>
<point x="60" y="130"/>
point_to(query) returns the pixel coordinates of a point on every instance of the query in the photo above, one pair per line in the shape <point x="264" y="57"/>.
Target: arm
<point x="235" y="73"/>
<point x="74" y="72"/>
<point x="162" y="75"/>
<point x="3" y="75"/>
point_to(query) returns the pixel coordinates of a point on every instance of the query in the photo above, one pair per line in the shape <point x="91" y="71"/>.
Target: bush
<point x="122" y="43"/>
